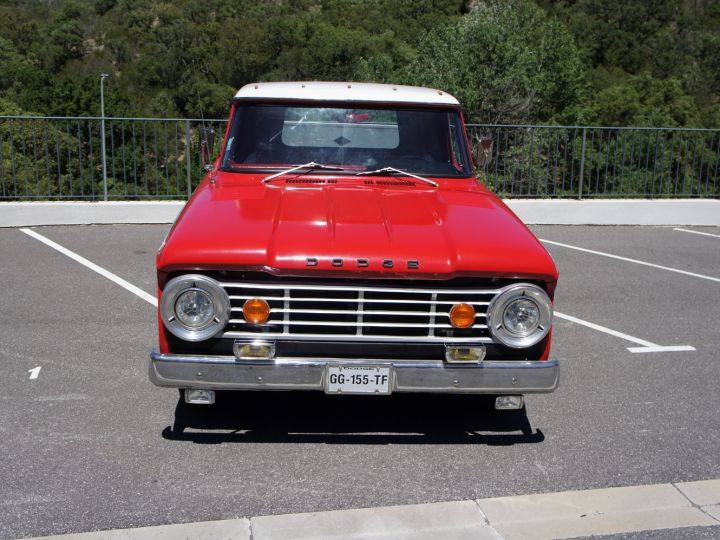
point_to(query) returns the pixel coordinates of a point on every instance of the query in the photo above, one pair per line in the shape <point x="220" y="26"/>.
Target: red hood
<point x="458" y="229"/>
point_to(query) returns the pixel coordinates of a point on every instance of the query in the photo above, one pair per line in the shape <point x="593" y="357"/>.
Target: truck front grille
<point x="311" y="311"/>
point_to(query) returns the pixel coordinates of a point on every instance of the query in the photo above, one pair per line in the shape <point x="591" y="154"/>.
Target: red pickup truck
<point x="341" y="242"/>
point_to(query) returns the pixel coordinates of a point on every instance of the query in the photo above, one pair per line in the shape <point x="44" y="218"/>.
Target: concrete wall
<point x="532" y="212"/>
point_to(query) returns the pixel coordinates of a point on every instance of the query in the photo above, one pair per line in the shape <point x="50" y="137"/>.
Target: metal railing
<point x="61" y="158"/>
<point x="590" y="162"/>
<point x="51" y="158"/>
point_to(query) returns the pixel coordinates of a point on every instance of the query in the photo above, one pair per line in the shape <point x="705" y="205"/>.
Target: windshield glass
<point x="422" y="141"/>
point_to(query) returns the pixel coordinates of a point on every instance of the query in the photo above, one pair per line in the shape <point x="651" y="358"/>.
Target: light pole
<point x="102" y="140"/>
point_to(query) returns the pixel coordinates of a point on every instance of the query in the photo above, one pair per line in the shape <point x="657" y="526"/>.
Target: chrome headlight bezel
<point x="503" y="299"/>
<point x="220" y="300"/>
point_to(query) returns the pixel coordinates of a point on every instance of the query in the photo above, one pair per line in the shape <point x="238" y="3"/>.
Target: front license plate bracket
<point x="367" y="380"/>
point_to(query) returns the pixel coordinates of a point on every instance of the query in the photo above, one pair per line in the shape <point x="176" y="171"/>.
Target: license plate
<point x="358" y="380"/>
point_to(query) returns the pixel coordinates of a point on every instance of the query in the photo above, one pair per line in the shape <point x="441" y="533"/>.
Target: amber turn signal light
<point x="462" y="315"/>
<point x="256" y="311"/>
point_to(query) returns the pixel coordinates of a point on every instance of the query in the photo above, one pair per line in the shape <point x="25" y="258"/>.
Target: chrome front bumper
<point x="228" y="373"/>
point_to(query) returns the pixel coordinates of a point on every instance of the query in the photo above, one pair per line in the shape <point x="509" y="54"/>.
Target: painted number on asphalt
<point x="34" y="372"/>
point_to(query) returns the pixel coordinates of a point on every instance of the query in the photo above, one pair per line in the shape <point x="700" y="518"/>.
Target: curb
<point x="695" y="212"/>
<point x="698" y="212"/>
<point x="568" y="514"/>
<point x="37" y="214"/>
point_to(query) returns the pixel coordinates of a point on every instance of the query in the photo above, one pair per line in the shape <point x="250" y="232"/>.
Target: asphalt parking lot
<point x="88" y="443"/>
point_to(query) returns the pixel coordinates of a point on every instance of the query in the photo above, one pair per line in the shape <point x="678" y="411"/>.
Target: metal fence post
<point x="187" y="158"/>
<point x="102" y="139"/>
<point x="582" y="164"/>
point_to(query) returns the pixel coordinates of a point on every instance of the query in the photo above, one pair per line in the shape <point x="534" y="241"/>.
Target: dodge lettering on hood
<point x="341" y="242"/>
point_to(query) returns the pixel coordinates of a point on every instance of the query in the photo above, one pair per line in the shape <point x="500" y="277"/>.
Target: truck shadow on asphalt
<point x="305" y="417"/>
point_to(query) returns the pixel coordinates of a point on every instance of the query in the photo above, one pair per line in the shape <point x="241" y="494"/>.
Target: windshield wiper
<point x="393" y="170"/>
<point x="311" y="166"/>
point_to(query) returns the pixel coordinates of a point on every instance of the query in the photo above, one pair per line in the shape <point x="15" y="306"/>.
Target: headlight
<point x="520" y="315"/>
<point x="194" y="307"/>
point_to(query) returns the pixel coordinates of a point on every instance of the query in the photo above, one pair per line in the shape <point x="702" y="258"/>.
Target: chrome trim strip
<point x="359" y="325"/>
<point x="354" y="337"/>
<point x="290" y="361"/>
<point x="286" y="311"/>
<point x="433" y="310"/>
<point x="361" y="312"/>
<point x="294" y="361"/>
<point x="306" y="287"/>
<point x="352" y="300"/>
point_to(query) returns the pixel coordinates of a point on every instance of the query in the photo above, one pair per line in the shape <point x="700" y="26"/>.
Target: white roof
<point x="345" y="91"/>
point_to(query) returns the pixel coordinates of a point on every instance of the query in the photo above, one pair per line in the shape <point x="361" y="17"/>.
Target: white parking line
<point x="647" y="346"/>
<point x="606" y="330"/>
<point x="626" y="259"/>
<point x="660" y="348"/>
<point x="94" y="267"/>
<point x="696" y="232"/>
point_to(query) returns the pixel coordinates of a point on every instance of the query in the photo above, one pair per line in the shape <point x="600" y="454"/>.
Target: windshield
<point x="422" y="141"/>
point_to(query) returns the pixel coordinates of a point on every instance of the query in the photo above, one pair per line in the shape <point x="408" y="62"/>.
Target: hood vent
<point x="309" y="181"/>
<point x="389" y="183"/>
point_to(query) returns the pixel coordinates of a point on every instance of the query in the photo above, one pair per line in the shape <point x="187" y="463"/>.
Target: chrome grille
<point x="311" y="311"/>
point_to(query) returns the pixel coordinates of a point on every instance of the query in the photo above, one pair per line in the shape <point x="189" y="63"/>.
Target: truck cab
<point x="341" y="242"/>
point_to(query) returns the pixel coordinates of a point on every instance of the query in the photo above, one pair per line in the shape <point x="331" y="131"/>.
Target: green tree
<point x="670" y="44"/>
<point x="642" y="100"/>
<point x="507" y="62"/>
<point x="22" y="79"/>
